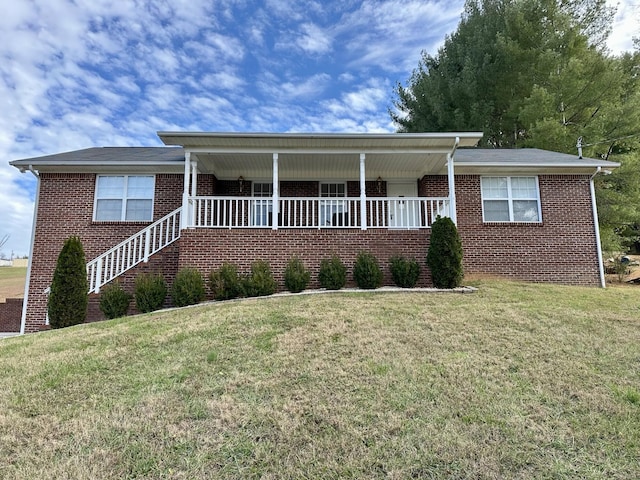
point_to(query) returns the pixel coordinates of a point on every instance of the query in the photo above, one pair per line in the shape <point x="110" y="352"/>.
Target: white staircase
<point x="134" y="250"/>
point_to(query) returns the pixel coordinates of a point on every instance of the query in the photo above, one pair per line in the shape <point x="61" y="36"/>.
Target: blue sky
<point x="82" y="73"/>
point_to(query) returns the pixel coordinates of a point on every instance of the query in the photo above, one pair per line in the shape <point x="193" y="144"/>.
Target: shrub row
<point x="444" y="259"/>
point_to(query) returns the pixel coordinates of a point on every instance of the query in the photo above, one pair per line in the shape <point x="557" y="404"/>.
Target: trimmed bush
<point x="366" y="271"/>
<point x="405" y="272"/>
<point x="445" y="254"/>
<point x="225" y="283"/>
<point x="188" y="287"/>
<point x="150" y="292"/>
<point x="114" y="301"/>
<point x="296" y="276"/>
<point x="333" y="273"/>
<point x="68" y="298"/>
<point x="260" y="281"/>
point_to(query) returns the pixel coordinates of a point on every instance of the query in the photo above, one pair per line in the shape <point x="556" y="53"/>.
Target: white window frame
<point x="261" y="205"/>
<point x="125" y="199"/>
<point x="510" y="199"/>
<point x="331" y="202"/>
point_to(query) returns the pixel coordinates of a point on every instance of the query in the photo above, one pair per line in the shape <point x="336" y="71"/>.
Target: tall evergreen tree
<point x="68" y="298"/>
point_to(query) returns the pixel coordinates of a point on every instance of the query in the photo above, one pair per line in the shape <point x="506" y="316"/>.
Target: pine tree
<point x="68" y="298"/>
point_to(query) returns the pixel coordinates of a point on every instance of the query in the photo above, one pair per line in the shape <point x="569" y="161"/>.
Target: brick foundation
<point x="10" y="315"/>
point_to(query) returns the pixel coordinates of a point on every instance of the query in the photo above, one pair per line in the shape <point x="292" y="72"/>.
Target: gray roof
<point x="115" y="157"/>
<point x="171" y="159"/>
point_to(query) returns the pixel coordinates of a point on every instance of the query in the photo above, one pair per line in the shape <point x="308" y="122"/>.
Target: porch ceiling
<point x="323" y="156"/>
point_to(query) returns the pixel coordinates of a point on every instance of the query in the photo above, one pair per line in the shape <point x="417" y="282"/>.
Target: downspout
<point x="596" y="226"/>
<point x="23" y="321"/>
<point x="453" y="214"/>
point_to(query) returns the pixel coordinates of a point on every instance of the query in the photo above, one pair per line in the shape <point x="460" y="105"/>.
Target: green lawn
<point x="12" y="282"/>
<point x="514" y="381"/>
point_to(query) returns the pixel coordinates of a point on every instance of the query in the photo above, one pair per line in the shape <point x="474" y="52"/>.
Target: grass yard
<point x="12" y="282"/>
<point x="514" y="381"/>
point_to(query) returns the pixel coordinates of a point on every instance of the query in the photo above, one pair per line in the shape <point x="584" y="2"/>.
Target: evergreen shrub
<point x="366" y="271"/>
<point x="225" y="283"/>
<point x="68" y="298"/>
<point x="405" y="272"/>
<point x="150" y="292"/>
<point x="296" y="275"/>
<point x="188" y="287"/>
<point x="444" y="256"/>
<point x="332" y="274"/>
<point x="114" y="301"/>
<point x="260" y="281"/>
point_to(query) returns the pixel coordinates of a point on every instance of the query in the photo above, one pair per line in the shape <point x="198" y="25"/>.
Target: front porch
<point x="316" y="213"/>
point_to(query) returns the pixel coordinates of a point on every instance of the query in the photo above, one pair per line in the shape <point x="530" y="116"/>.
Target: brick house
<point x="207" y="198"/>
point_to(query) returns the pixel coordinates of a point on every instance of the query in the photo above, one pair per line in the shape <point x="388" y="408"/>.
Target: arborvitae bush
<point x="188" y="287"/>
<point x="296" y="275"/>
<point x="333" y="273"/>
<point x="260" y="281"/>
<point x="366" y="271"/>
<point x="150" y="292"/>
<point x="445" y="254"/>
<point x="114" y="301"/>
<point x="405" y="272"/>
<point x="225" y="283"/>
<point x="68" y="298"/>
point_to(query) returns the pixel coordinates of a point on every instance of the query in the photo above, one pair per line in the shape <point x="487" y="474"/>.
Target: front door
<point x="402" y="213"/>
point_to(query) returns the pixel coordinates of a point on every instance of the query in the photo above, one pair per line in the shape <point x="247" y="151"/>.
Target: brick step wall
<point x="11" y="315"/>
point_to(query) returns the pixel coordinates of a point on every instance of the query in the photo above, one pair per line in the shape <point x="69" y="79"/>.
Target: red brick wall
<point x="10" y="315"/>
<point x="207" y="249"/>
<point x="65" y="209"/>
<point x="561" y="249"/>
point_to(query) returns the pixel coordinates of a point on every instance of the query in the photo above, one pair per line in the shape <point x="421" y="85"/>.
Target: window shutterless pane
<point x="524" y="187"/>
<point x="495" y="187"/>
<point x="108" y="210"/>
<point x="140" y="187"/>
<point x="525" y="211"/>
<point x="138" y="210"/>
<point x="496" y="211"/>
<point x="110" y="187"/>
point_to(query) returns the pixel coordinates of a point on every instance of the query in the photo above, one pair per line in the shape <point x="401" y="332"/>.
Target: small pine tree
<point x="150" y="292"/>
<point x="367" y="272"/>
<point x="405" y="272"/>
<point x="444" y="256"/>
<point x="260" y="281"/>
<point x="332" y="274"/>
<point x="68" y="298"/>
<point x="114" y="301"/>
<point x="188" y="287"/>
<point x="296" y="276"/>
<point x="225" y="283"/>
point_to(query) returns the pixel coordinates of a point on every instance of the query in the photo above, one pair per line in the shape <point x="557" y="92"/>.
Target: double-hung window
<point x="511" y="199"/>
<point x="332" y="205"/>
<point x="263" y="205"/>
<point x="124" y="198"/>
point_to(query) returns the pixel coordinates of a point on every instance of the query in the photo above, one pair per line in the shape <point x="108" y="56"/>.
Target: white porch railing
<point x="132" y="251"/>
<point x="256" y="212"/>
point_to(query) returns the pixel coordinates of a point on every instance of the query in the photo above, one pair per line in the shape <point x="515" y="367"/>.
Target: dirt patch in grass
<point x="514" y="381"/>
<point x="12" y="280"/>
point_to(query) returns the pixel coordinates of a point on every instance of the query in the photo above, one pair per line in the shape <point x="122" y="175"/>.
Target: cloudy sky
<point x="82" y="73"/>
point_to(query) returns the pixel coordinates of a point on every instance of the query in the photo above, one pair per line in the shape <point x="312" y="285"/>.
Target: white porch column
<point x="194" y="178"/>
<point x="452" y="189"/>
<point x="184" y="215"/>
<point x="275" y="208"/>
<point x="363" y="194"/>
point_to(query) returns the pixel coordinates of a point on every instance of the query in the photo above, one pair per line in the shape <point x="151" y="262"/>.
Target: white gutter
<point x="596" y="225"/>
<point x="25" y="302"/>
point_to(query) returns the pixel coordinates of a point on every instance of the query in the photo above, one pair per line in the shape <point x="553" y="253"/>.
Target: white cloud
<point x="313" y="40"/>
<point x="625" y="27"/>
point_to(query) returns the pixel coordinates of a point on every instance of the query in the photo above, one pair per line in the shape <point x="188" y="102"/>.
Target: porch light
<point x="240" y="182"/>
<point x="379" y="180"/>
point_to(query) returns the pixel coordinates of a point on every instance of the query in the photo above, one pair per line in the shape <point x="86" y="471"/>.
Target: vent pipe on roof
<point x="579" y="145"/>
